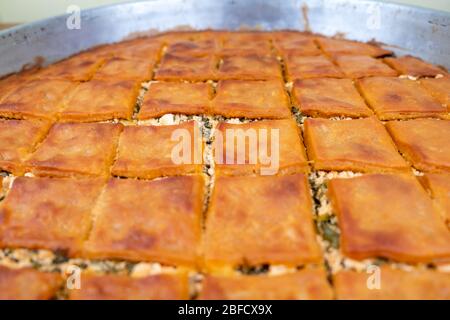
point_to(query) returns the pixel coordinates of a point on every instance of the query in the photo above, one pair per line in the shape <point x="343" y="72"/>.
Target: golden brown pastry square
<point x="438" y="184"/>
<point x="251" y="99"/>
<point x="245" y="43"/>
<point x="306" y="284"/>
<point x="394" y="284"/>
<point x="141" y="220"/>
<point x="439" y="89"/>
<point x="155" y="151"/>
<point x="191" y="48"/>
<point x="357" y="145"/>
<point x="80" y="67"/>
<point x="48" y="213"/>
<point x="28" y="284"/>
<point x="339" y="46"/>
<point x="329" y="98"/>
<point x="175" y="97"/>
<point x="395" y="98"/>
<point x="174" y="67"/>
<point x="241" y="153"/>
<point x="125" y="69"/>
<point x="249" y="67"/>
<point x="390" y="216"/>
<point x="411" y="66"/>
<point x="258" y="220"/>
<point x="305" y="67"/>
<point x="295" y="43"/>
<point x="10" y="83"/>
<point x="120" y="287"/>
<point x="148" y="49"/>
<point x="99" y="100"/>
<point x="76" y="149"/>
<point x="424" y="142"/>
<point x="17" y="140"/>
<point x="40" y="99"/>
<point x="355" y="66"/>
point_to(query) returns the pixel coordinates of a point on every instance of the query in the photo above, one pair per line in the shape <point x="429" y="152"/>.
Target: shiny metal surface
<point x="409" y="30"/>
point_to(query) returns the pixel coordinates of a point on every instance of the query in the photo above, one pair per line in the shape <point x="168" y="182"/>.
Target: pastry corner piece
<point x="439" y="88"/>
<point x="386" y="283"/>
<point x="28" y="284"/>
<point x="18" y="138"/>
<point x="412" y="66"/>
<point x="306" y="284"/>
<point x="260" y="220"/>
<point x="140" y="220"/>
<point x="266" y="147"/>
<point x="36" y="99"/>
<point x="396" y="98"/>
<point x="121" y="287"/>
<point x="424" y="142"/>
<point x="36" y="214"/>
<point x="438" y="185"/>
<point x="361" y="145"/>
<point x="389" y="216"/>
<point x="340" y="46"/>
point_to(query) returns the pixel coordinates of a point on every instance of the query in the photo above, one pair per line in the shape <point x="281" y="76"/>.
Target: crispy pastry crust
<point x="118" y="287"/>
<point x="76" y="149"/>
<point x="124" y="69"/>
<point x="306" y="67"/>
<point x="424" y="142"/>
<point x="339" y="46"/>
<point x="356" y="145"/>
<point x="173" y="97"/>
<point x="36" y="213"/>
<point x="40" y="99"/>
<point x="355" y="66"/>
<point x="295" y="43"/>
<point x="329" y="98"/>
<point x="28" y="284"/>
<point x="249" y="67"/>
<point x="438" y="184"/>
<point x="81" y="67"/>
<point x="394" y="285"/>
<point x="244" y="43"/>
<point x="257" y="220"/>
<point x="156" y="220"/>
<point x="408" y="65"/>
<point x="99" y="100"/>
<point x="292" y="155"/>
<point x="391" y="216"/>
<point x="17" y="140"/>
<point x="307" y="284"/>
<point x="193" y="48"/>
<point x="176" y="68"/>
<point x="150" y="151"/>
<point x="395" y="98"/>
<point x="251" y="99"/>
<point x="439" y="89"/>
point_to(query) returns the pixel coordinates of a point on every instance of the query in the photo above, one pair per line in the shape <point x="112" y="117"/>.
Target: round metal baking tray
<point x="407" y="30"/>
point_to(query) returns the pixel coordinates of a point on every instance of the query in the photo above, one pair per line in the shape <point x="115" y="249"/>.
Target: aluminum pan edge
<point x="408" y="30"/>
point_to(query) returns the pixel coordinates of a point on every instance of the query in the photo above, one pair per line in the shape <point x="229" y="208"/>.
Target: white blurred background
<point x="19" y="11"/>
